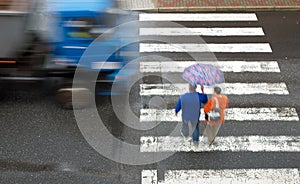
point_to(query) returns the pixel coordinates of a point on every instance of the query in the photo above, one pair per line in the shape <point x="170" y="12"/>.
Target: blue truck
<point x="56" y="38"/>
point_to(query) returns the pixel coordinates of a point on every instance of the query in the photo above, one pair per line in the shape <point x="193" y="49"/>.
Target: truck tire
<point x="83" y="100"/>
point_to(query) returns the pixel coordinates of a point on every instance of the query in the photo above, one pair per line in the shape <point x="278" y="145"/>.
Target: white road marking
<point x="210" y="47"/>
<point x="232" y="114"/>
<point x="198" y="17"/>
<point x="225" y="66"/>
<point x="227" y="88"/>
<point x="230" y="143"/>
<point x="236" y="176"/>
<point x="239" y="31"/>
<point x="149" y="177"/>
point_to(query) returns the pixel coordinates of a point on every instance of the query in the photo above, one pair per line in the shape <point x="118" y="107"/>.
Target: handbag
<point x="214" y="114"/>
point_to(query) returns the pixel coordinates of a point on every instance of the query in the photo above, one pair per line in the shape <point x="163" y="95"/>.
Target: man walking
<point x="215" y="113"/>
<point x="190" y="104"/>
<point x="217" y="100"/>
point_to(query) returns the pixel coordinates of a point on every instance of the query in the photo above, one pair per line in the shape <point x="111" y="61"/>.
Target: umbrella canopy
<point x="203" y="74"/>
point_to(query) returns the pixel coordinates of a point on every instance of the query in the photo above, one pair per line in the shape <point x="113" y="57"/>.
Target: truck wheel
<point x="83" y="100"/>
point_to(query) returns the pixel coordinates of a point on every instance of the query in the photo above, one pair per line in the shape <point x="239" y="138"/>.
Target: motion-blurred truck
<point x="47" y="41"/>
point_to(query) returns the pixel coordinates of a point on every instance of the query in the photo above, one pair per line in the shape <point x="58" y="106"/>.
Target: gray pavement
<point x="41" y="143"/>
<point x="136" y="5"/>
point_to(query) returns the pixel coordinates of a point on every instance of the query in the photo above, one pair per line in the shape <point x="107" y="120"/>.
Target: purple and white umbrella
<point x="203" y="74"/>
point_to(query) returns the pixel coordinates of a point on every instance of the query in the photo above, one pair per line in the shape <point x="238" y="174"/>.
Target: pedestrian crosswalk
<point x="227" y="143"/>
<point x="246" y="176"/>
<point x="198" y="17"/>
<point x="249" y="31"/>
<point x="225" y="66"/>
<point x="210" y="47"/>
<point x="228" y="88"/>
<point x="232" y="114"/>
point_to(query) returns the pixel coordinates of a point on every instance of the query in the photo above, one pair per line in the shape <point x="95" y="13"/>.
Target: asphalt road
<point x="41" y="143"/>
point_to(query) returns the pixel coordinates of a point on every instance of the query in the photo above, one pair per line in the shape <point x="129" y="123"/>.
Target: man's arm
<point x="178" y="106"/>
<point x="203" y="98"/>
<point x="208" y="106"/>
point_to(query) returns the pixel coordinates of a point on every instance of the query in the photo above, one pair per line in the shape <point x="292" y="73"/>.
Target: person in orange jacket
<point x="211" y="104"/>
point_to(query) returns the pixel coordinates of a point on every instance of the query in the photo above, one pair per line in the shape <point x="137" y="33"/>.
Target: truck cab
<point x="93" y="39"/>
<point x="78" y="36"/>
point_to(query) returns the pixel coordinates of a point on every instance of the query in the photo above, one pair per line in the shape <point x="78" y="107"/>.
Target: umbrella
<point x="203" y="74"/>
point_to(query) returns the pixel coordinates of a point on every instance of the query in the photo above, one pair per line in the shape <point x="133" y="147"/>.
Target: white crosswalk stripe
<point x="209" y="47"/>
<point x="230" y="143"/>
<point x="224" y="143"/>
<point x="243" y="31"/>
<point x="245" y="176"/>
<point x="232" y="114"/>
<point x="225" y="66"/>
<point x="198" y="17"/>
<point x="227" y="88"/>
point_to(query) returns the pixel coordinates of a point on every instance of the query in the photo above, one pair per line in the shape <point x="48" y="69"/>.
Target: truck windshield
<point x="85" y="28"/>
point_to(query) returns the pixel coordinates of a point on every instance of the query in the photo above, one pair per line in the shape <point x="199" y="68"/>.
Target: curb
<point x="219" y="9"/>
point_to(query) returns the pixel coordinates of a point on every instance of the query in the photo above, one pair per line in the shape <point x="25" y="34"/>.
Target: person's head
<point x="217" y="90"/>
<point x="192" y="88"/>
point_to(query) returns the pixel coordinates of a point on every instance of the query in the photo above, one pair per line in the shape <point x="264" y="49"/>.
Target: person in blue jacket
<point x="190" y="104"/>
